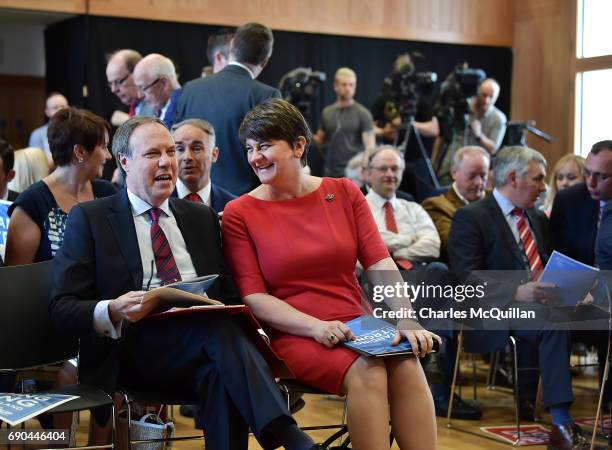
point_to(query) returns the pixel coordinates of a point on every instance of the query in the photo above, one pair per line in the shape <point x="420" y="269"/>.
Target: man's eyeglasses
<point x="149" y="86"/>
<point x="384" y="169"/>
<point x="119" y="82"/>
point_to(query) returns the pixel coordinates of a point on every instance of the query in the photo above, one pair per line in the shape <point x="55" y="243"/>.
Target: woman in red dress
<point x="292" y="244"/>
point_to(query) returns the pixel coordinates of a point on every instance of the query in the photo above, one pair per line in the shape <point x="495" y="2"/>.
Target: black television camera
<point x="299" y="87"/>
<point x="402" y="90"/>
<point x="453" y="107"/>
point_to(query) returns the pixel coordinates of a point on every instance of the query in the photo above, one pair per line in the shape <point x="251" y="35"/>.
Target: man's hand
<point x="128" y="307"/>
<point x="331" y="333"/>
<point x="535" y="292"/>
<point x="476" y="128"/>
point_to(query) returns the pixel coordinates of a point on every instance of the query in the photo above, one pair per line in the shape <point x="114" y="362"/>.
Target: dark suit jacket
<point x="171" y="111"/>
<point x="218" y="197"/>
<point x="12" y="196"/>
<point x="604" y="239"/>
<point x="573" y="223"/>
<point x="481" y="239"/>
<point x="224" y="99"/>
<point x="100" y="259"/>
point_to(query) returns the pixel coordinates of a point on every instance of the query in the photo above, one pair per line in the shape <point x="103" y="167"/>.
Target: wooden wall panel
<point x="485" y="22"/>
<point x="542" y="79"/>
<point x="64" y="6"/>
<point x="22" y="107"/>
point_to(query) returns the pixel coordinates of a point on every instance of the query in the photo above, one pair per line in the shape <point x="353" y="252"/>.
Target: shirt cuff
<point x="102" y="322"/>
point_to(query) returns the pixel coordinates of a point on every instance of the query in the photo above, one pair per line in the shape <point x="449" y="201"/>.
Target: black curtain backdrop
<point x="76" y="51"/>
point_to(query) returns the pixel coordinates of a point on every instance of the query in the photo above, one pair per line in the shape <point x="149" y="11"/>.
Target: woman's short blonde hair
<point x="31" y="165"/>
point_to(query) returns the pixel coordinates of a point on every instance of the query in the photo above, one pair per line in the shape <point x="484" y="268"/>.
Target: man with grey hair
<point x="139" y="238"/>
<point x="505" y="232"/>
<point x="487" y="126"/>
<point x="224" y="98"/>
<point x="406" y="229"/>
<point x="156" y="80"/>
<point x="196" y="153"/>
<point x="469" y="172"/>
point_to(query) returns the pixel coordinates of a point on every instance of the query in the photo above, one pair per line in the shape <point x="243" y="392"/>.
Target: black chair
<point x="25" y="324"/>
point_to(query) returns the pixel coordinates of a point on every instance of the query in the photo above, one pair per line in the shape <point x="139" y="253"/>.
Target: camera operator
<point x="486" y="126"/>
<point x="388" y="108"/>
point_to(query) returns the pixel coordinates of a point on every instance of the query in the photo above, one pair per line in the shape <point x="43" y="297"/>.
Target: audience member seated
<point x="298" y="278"/>
<point x="406" y="229"/>
<point x="469" y="171"/>
<point x="156" y="80"/>
<point x="505" y="232"/>
<point x="7" y="173"/>
<point x="568" y="171"/>
<point x="55" y="101"/>
<point x="196" y="153"/>
<point x="101" y="272"/>
<point x="31" y="165"/>
<point x="78" y="141"/>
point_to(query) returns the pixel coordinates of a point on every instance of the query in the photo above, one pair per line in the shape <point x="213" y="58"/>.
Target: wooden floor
<point x="496" y="405"/>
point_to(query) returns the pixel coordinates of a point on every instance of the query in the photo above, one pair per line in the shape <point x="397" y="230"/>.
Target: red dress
<point x="303" y="251"/>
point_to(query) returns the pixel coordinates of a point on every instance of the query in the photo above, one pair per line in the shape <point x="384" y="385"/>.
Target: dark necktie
<point x="529" y="244"/>
<point x="391" y="225"/>
<point x="193" y="197"/>
<point x="167" y="271"/>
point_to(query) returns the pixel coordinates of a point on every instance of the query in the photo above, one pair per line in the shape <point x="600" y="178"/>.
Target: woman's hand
<point x="331" y="333"/>
<point x="420" y="339"/>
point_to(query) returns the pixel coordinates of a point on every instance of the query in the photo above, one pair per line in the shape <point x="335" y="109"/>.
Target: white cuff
<point x="102" y="322"/>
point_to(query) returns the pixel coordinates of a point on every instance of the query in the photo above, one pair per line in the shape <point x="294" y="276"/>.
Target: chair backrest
<point x="25" y="329"/>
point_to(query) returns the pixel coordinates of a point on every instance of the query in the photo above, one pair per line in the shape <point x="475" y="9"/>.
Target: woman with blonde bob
<point x="292" y="244"/>
<point x="568" y="171"/>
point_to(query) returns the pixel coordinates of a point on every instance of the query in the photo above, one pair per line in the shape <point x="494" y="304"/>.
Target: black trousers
<point x="207" y="358"/>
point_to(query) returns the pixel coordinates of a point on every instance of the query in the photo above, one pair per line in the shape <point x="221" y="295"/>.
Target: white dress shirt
<point x="236" y="63"/>
<point x="203" y="193"/>
<point x="142" y="221"/>
<point x="417" y="236"/>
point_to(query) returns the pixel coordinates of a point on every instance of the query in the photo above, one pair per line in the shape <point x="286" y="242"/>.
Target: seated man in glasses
<point x="99" y="276"/>
<point x="406" y="228"/>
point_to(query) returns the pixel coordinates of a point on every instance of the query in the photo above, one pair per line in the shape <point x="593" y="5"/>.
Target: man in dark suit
<point x="576" y="211"/>
<point x="505" y="232"/>
<point x="7" y="173"/>
<point x="224" y="98"/>
<point x="196" y="154"/>
<point x="112" y="247"/>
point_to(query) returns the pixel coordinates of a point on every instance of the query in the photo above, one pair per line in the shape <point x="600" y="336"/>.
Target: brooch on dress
<point x="329" y="197"/>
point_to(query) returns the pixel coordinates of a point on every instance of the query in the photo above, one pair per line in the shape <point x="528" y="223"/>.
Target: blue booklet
<point x="573" y="279"/>
<point x="374" y="338"/>
<point x="17" y="408"/>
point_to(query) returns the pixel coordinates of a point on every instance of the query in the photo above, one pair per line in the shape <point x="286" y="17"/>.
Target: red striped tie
<point x="193" y="197"/>
<point x="167" y="271"/>
<point x="529" y="244"/>
<point x="391" y="225"/>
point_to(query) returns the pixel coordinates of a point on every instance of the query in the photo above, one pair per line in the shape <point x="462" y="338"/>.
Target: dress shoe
<point x="461" y="409"/>
<point x="567" y="437"/>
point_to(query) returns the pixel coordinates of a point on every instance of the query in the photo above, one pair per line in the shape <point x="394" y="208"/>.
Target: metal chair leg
<point x="512" y="340"/>
<point x="455" y="371"/>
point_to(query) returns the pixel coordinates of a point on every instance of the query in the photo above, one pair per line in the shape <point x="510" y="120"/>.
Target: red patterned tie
<point x="164" y="261"/>
<point x="193" y="197"/>
<point x="391" y="225"/>
<point x="529" y="244"/>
